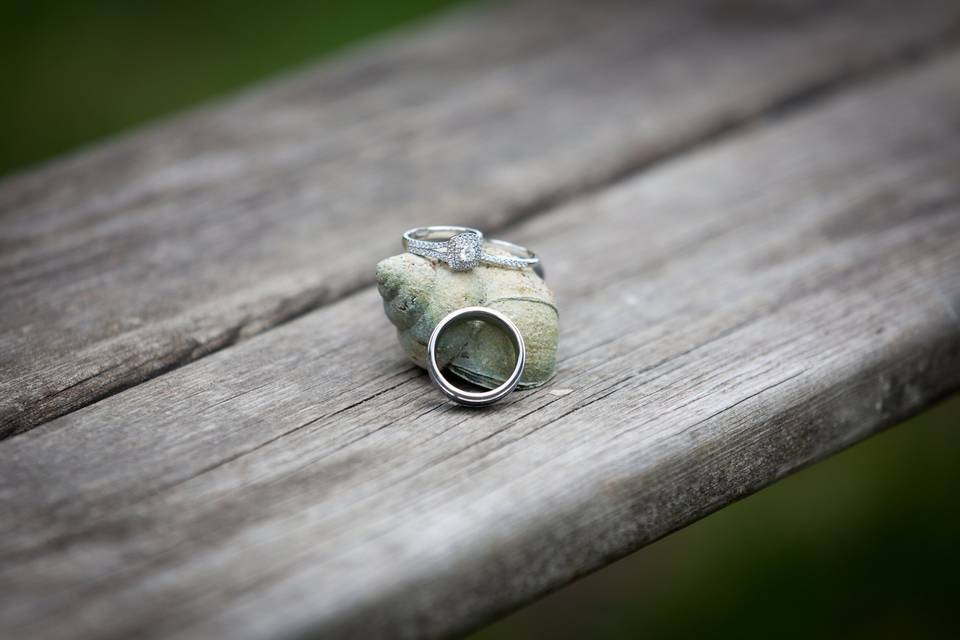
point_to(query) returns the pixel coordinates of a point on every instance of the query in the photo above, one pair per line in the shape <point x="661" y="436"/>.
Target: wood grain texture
<point x="737" y="314"/>
<point x="133" y="258"/>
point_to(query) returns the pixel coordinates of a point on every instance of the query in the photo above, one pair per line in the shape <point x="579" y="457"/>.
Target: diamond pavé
<point x="463" y="251"/>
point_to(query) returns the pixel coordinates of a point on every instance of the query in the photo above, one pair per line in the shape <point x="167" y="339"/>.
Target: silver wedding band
<point x="476" y="398"/>
<point x="462" y="248"/>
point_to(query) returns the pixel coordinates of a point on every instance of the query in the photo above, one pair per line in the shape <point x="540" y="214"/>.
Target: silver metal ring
<point x="462" y="248"/>
<point x="520" y="257"/>
<point x="476" y="398"/>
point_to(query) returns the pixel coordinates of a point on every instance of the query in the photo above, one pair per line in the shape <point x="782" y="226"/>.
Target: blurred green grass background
<point x="862" y="545"/>
<point x="77" y="71"/>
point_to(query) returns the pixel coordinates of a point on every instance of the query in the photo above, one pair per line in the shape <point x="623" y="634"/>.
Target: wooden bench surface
<point x="750" y="213"/>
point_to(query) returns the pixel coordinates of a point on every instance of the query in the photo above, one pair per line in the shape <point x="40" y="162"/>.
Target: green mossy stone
<point x="417" y="293"/>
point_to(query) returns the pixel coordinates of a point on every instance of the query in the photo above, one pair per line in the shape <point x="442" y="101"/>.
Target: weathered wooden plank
<point x="727" y="318"/>
<point x="136" y="257"/>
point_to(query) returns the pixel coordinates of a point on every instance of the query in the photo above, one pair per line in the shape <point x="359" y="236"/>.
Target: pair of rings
<point x="462" y="248"/>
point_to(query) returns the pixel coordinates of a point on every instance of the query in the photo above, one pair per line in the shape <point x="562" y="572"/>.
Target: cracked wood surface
<point x="736" y="314"/>
<point x="136" y="257"/>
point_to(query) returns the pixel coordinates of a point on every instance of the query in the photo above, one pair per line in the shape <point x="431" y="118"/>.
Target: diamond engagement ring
<point x="462" y="248"/>
<point x="476" y="398"/>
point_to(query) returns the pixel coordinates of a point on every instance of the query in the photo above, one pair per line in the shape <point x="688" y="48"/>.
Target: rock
<point x="418" y="292"/>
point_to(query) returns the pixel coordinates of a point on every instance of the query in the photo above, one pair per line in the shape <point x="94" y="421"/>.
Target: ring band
<point x="476" y="398"/>
<point x="462" y="248"/>
<point x="520" y="257"/>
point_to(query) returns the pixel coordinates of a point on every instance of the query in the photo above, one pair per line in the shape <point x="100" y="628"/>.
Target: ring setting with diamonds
<point x="461" y="248"/>
<point x="463" y="251"/>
